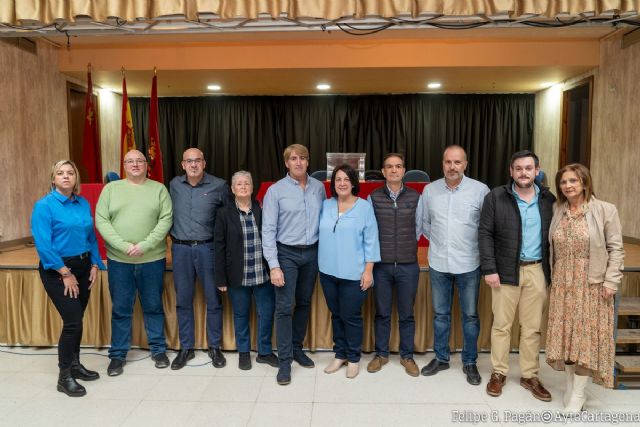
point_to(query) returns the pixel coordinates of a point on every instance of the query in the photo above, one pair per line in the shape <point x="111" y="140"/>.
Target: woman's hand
<point x="222" y="288"/>
<point x="93" y="275"/>
<point x="607" y="292"/>
<point x="366" y="280"/>
<point x="70" y="285"/>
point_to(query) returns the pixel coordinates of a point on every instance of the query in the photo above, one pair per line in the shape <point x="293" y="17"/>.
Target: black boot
<point x="68" y="385"/>
<point x="79" y="372"/>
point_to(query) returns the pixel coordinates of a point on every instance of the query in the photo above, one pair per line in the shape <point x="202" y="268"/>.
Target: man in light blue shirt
<point x="451" y="215"/>
<point x="290" y="219"/>
<point x="531" y="249"/>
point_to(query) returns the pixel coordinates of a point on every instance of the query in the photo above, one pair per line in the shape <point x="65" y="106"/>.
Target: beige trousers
<point x="531" y="297"/>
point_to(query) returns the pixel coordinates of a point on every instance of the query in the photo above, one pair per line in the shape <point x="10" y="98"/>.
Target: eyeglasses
<point x="135" y="161"/>
<point x="193" y="161"/>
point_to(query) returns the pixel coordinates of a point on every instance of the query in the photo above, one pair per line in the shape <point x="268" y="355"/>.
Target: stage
<point x="27" y="317"/>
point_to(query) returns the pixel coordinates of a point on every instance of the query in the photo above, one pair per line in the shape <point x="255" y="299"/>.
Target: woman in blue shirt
<point x="62" y="229"/>
<point x="348" y="249"/>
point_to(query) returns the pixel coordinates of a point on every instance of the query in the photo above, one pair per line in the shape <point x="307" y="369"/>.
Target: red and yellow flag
<point x="127" y="139"/>
<point x="155" y="154"/>
<point x="91" y="139"/>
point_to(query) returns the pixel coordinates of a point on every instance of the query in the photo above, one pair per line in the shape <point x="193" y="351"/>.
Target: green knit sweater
<point x="129" y="213"/>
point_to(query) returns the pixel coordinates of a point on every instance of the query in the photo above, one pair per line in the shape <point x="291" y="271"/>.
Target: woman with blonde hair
<point x="586" y="260"/>
<point x="62" y="229"/>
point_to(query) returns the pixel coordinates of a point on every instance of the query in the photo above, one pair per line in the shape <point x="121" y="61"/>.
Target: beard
<point x="523" y="186"/>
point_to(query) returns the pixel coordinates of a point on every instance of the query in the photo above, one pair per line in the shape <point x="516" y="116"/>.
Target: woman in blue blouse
<point x="348" y="249"/>
<point x="62" y="228"/>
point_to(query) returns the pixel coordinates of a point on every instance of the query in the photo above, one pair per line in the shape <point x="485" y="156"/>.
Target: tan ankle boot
<point x="334" y="366"/>
<point x="353" y="369"/>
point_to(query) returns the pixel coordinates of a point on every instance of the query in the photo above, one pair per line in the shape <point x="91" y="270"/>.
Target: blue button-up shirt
<point x="450" y="222"/>
<point x="531" y="249"/>
<point x="63" y="227"/>
<point x="195" y="207"/>
<point x="349" y="242"/>
<point x="290" y="215"/>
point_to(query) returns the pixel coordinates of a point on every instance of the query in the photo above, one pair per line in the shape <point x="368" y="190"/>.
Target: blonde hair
<point x="583" y="175"/>
<point x="298" y="148"/>
<point x="54" y="171"/>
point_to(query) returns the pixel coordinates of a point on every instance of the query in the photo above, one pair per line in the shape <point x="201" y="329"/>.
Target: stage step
<point x="628" y="336"/>
<point x="628" y="364"/>
<point x="629" y="306"/>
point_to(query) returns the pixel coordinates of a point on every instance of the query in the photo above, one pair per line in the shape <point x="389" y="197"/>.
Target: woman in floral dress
<point x="587" y="254"/>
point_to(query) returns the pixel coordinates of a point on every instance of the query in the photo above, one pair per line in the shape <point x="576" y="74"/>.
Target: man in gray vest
<point x="398" y="211"/>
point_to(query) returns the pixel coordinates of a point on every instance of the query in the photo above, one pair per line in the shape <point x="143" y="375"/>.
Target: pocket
<point x="467" y="213"/>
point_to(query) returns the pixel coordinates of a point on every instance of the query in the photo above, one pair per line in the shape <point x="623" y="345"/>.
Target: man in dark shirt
<point x="196" y="196"/>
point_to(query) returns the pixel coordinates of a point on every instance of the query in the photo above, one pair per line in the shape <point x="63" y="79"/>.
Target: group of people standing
<point x="517" y="236"/>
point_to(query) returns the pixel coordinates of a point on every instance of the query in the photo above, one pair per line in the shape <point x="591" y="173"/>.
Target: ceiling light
<point x="434" y="85"/>
<point x="214" y="87"/>
<point x="323" y="86"/>
<point x="545" y="85"/>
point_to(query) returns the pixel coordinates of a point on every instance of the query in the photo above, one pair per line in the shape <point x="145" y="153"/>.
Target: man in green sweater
<point x="133" y="216"/>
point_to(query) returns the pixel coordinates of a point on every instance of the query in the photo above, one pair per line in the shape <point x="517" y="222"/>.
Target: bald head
<point x="192" y="153"/>
<point x="454" y="163"/>
<point x="455" y="148"/>
<point x="193" y="164"/>
<point x="135" y="166"/>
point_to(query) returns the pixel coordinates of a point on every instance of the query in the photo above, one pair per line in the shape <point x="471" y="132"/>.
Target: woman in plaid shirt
<point x="242" y="270"/>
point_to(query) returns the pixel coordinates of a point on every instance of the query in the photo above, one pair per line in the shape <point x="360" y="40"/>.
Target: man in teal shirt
<point x="134" y="216"/>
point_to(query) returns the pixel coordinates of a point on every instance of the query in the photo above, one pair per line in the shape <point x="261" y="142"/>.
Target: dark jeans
<point x="265" y="304"/>
<point x="404" y="279"/>
<point x="71" y="309"/>
<point x="442" y="296"/>
<point x="300" y="268"/>
<point x="124" y="280"/>
<point x="189" y="262"/>
<point x="344" y="299"/>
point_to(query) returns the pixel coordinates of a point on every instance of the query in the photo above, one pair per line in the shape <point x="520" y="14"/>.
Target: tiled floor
<point x="202" y="395"/>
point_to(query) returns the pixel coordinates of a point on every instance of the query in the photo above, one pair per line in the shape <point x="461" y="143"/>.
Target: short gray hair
<point x="240" y="174"/>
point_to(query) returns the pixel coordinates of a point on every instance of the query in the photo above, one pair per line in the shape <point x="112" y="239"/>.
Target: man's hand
<point x="277" y="277"/>
<point x="134" y="250"/>
<point x="493" y="280"/>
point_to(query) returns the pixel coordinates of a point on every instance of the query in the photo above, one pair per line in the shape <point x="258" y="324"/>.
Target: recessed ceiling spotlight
<point x="545" y="85"/>
<point x="214" y="87"/>
<point x="434" y="85"/>
<point x="323" y="86"/>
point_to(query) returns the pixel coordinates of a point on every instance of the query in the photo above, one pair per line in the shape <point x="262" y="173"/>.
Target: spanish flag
<point x="127" y="139"/>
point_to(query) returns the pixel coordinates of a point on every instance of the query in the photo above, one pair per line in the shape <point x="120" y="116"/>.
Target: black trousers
<point x="71" y="309"/>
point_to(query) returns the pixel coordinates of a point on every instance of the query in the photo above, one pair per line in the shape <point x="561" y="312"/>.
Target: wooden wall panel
<point x="110" y="113"/>
<point x="546" y="132"/>
<point x="33" y="131"/>
<point x="615" y="146"/>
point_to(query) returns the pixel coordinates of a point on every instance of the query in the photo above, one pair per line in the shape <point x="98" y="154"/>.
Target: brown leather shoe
<point x="495" y="384"/>
<point x="377" y="363"/>
<point x="536" y="388"/>
<point x="410" y="367"/>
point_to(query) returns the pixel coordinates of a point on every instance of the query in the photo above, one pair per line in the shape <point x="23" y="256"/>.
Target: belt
<point x="299" y="246"/>
<point x="191" y="242"/>
<point x="524" y="263"/>
<point x="76" y="257"/>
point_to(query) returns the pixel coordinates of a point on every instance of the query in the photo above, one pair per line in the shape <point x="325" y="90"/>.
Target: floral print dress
<point x="581" y="321"/>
